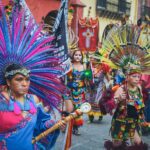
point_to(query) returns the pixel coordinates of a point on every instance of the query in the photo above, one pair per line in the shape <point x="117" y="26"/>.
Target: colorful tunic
<point x="76" y="83"/>
<point x="128" y="117"/>
<point x="20" y="123"/>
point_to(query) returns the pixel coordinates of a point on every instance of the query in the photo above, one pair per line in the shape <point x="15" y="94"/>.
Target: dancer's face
<point x="19" y="84"/>
<point x="77" y="56"/>
<point x="134" y="79"/>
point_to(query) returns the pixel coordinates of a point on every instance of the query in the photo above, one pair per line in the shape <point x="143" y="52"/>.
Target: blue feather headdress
<point x="23" y="45"/>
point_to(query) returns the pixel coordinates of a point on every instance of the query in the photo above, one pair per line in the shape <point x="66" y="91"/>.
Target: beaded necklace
<point x="134" y="94"/>
<point x="18" y="108"/>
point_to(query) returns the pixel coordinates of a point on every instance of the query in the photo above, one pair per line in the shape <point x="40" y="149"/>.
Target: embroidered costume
<point x="76" y="84"/>
<point x="18" y="122"/>
<point x="126" y="120"/>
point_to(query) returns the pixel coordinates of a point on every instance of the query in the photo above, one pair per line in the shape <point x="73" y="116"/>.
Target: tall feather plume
<point x="24" y="45"/>
<point x="125" y="45"/>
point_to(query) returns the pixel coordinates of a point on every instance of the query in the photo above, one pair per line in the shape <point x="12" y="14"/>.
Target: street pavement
<point x="93" y="135"/>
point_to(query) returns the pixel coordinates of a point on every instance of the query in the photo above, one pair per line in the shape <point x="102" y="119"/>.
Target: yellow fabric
<point x="94" y="113"/>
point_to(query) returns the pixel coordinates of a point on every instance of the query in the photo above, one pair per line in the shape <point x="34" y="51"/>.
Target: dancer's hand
<point x="123" y="95"/>
<point x="120" y="95"/>
<point x="62" y="125"/>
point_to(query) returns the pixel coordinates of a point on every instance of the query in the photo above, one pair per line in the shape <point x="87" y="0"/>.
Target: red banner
<point x="88" y="34"/>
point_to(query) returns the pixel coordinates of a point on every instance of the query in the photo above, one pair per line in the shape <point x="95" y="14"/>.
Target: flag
<point x="88" y="34"/>
<point x="60" y="30"/>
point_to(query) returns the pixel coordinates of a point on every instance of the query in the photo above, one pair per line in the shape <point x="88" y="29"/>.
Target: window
<point x="101" y="3"/>
<point x="112" y="5"/>
<point x="122" y="6"/>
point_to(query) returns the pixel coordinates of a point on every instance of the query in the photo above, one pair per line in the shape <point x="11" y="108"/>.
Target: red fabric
<point x="145" y="94"/>
<point x="9" y="120"/>
<point x="88" y="34"/>
<point x="107" y="103"/>
<point x="115" y="88"/>
<point x="145" y="85"/>
<point x="78" y="121"/>
<point x="146" y="80"/>
<point x="105" y="68"/>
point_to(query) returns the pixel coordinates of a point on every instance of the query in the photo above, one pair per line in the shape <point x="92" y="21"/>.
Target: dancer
<point x="28" y="80"/>
<point x="100" y="72"/>
<point x="77" y="84"/>
<point x="124" y="53"/>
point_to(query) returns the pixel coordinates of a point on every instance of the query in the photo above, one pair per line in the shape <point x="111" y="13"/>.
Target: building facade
<point x="107" y="11"/>
<point x="40" y="8"/>
<point x="112" y="11"/>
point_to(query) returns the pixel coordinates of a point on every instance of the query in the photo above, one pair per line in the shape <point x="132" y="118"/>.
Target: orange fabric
<point x="68" y="141"/>
<point x="78" y="121"/>
<point x="115" y="88"/>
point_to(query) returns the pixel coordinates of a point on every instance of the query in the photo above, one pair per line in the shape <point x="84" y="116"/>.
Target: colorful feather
<point x="121" y="49"/>
<point x="24" y="45"/>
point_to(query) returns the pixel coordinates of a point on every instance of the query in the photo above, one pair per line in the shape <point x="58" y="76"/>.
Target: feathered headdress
<point x="23" y="45"/>
<point x="121" y="50"/>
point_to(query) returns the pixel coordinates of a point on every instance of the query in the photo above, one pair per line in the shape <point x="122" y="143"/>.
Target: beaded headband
<point x="23" y="71"/>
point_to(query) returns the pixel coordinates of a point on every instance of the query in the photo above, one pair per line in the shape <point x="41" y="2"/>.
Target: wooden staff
<point x="77" y="113"/>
